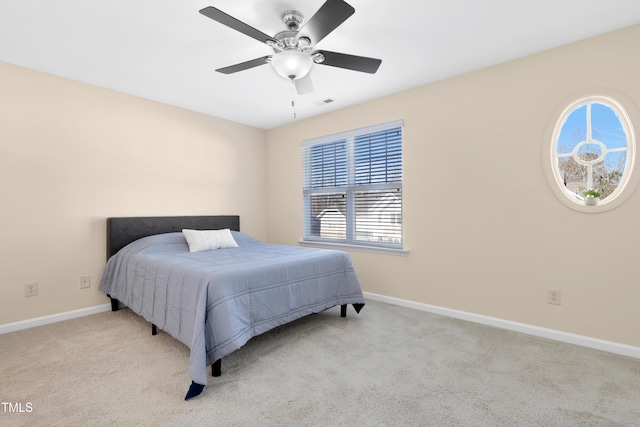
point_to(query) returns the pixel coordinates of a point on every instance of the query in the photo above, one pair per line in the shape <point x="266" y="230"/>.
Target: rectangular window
<point x="352" y="187"/>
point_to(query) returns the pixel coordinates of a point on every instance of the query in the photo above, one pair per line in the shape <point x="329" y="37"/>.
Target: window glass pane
<point x="328" y="216"/>
<point x="607" y="127"/>
<point x="379" y="215"/>
<point x="574" y="175"/>
<point x="607" y="175"/>
<point x="573" y="130"/>
<point x="378" y="157"/>
<point x="589" y="152"/>
<point x="328" y="165"/>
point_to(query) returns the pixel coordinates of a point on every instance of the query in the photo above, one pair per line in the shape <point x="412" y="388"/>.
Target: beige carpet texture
<point x="387" y="366"/>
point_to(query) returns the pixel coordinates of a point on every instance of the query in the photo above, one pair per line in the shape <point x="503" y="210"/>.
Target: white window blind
<point x="352" y="187"/>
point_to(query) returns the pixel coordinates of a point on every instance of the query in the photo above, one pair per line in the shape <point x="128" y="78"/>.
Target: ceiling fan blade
<point x="231" y="22"/>
<point x="304" y="85"/>
<point x="329" y="17"/>
<point x="244" y="65"/>
<point x="350" y="62"/>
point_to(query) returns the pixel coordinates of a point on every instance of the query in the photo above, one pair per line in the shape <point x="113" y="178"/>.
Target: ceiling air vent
<point x="324" y="102"/>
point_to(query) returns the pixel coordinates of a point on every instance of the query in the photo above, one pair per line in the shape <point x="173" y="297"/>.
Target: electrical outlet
<point x="85" y="282"/>
<point x="31" y="289"/>
<point x="554" y="296"/>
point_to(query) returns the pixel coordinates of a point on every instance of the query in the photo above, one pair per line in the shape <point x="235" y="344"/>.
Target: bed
<point x="214" y="301"/>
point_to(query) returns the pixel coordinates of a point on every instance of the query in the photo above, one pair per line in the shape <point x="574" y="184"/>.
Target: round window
<point x="592" y="152"/>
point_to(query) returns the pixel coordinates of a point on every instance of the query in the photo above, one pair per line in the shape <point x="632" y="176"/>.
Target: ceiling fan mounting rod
<point x="292" y="19"/>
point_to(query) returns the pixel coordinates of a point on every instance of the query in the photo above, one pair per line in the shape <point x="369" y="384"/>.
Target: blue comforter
<point x="215" y="301"/>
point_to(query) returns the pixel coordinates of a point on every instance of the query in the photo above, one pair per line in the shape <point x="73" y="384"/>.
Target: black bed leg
<point x="154" y="330"/>
<point x="216" y="368"/>
<point x="114" y="304"/>
<point x="343" y="309"/>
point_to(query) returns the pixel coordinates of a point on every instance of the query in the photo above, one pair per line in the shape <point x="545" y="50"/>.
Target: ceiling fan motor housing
<point x="286" y="40"/>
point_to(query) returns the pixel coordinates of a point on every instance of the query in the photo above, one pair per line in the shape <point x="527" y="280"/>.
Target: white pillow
<point x="203" y="240"/>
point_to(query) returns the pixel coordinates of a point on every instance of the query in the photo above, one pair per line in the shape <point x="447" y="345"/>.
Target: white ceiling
<point x="166" y="51"/>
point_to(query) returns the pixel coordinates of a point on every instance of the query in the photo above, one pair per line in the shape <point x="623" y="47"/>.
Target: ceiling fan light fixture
<point x="291" y="64"/>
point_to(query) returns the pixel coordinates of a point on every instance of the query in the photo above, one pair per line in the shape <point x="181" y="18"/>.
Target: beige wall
<point x="487" y="239"/>
<point x="72" y="154"/>
<point x="485" y="233"/>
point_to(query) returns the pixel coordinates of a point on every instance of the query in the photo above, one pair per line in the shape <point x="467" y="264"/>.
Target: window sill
<point x="356" y="248"/>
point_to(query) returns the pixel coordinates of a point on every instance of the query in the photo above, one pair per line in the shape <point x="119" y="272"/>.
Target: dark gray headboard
<point x="122" y="231"/>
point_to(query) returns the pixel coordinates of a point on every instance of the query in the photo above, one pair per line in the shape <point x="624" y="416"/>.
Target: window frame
<point x="350" y="189"/>
<point x="628" y="116"/>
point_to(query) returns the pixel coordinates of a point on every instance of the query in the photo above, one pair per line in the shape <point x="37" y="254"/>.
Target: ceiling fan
<point x="294" y="53"/>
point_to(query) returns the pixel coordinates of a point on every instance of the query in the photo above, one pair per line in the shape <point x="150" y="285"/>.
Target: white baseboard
<point x="609" y="346"/>
<point x="40" y="321"/>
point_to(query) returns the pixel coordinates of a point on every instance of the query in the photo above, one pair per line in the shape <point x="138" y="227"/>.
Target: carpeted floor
<point x="388" y="366"/>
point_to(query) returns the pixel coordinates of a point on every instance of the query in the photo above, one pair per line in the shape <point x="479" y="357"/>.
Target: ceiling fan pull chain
<point x="293" y="98"/>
